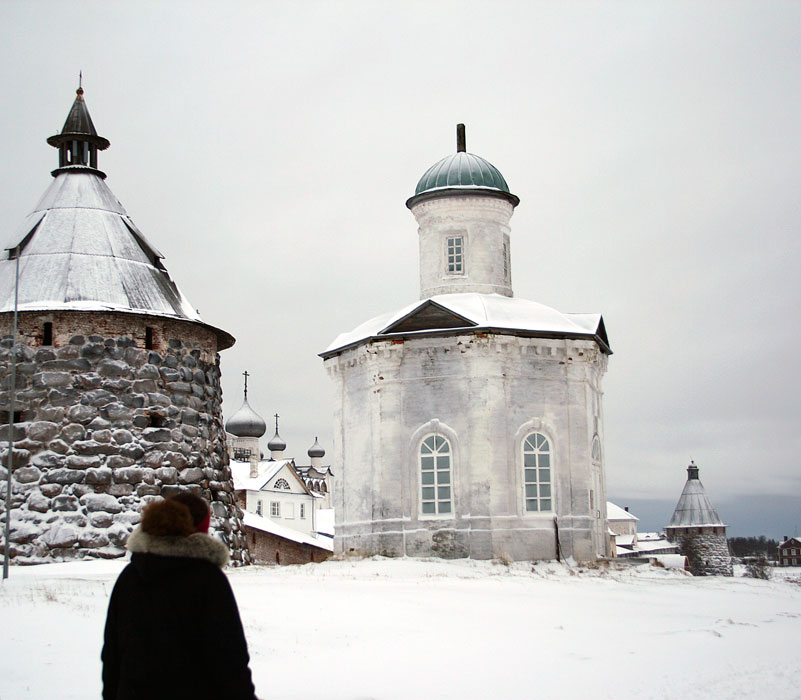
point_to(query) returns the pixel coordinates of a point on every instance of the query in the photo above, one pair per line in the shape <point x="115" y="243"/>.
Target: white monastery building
<point x="469" y="423"/>
<point x="283" y="503"/>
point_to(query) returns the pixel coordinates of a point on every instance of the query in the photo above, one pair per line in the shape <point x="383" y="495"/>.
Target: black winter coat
<point x="173" y="627"/>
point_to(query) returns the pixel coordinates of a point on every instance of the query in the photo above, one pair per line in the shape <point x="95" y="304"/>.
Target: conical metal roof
<point x="79" y="123"/>
<point x="246" y="422"/>
<point x="694" y="507"/>
<point x="79" y="250"/>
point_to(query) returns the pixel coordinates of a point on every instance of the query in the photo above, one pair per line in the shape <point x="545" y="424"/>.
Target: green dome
<point x="462" y="170"/>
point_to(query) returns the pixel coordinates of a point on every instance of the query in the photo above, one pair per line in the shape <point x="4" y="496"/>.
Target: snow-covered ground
<point x="433" y="629"/>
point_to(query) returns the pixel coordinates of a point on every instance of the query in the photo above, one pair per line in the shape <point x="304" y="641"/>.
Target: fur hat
<point x="167" y="518"/>
<point x="198" y="508"/>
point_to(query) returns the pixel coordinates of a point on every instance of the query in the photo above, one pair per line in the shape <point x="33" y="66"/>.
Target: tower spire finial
<point x="461" y="139"/>
<point x="246" y="374"/>
<point x="276" y="423"/>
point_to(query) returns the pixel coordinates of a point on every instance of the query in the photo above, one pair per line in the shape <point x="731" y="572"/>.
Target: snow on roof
<point x="655" y="546"/>
<point x="325" y="521"/>
<point x="482" y="311"/>
<point x="694" y="508"/>
<point x="672" y="561"/>
<point x="257" y="522"/>
<point x="80" y="251"/>
<point x="267" y="470"/>
<point x="615" y="512"/>
<point x="625" y="540"/>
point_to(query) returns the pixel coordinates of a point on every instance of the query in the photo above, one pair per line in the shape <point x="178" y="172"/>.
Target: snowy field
<point x="431" y="629"/>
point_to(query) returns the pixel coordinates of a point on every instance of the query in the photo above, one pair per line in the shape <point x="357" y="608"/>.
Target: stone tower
<point x="469" y="423"/>
<point x="699" y="532"/>
<point x="117" y="395"/>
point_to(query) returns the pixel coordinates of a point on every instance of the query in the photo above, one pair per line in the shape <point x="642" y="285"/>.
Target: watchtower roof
<point x="694" y="507"/>
<point x="79" y="250"/>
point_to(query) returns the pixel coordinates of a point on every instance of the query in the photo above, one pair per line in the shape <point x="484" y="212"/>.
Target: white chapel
<point x="469" y="423"/>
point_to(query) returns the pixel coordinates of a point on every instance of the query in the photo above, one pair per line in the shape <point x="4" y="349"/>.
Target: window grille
<point x="435" y="476"/>
<point x="537" y="473"/>
<point x="455" y="255"/>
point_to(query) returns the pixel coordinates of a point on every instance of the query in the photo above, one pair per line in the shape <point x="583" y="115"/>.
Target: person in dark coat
<point x="173" y="627"/>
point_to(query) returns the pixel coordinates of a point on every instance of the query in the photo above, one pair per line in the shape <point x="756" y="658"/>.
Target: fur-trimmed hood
<point x="196" y="546"/>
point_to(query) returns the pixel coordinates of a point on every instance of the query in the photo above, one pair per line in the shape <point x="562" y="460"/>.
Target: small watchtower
<point x="699" y="532"/>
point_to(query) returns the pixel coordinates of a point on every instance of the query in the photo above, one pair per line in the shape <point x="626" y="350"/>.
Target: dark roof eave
<point x="78" y="169"/>
<point x="57" y="139"/>
<point x="472" y="330"/>
<point x="461" y="192"/>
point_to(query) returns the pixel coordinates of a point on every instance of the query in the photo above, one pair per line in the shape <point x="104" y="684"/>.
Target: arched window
<point x="596" y="450"/>
<point x="537" y="473"/>
<point x="282" y="484"/>
<point x="435" y="475"/>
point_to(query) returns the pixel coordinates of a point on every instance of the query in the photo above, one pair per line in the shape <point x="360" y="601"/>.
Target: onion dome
<point x="315" y="450"/>
<point x="462" y="171"/>
<point x="246" y="422"/>
<point x="276" y="443"/>
<point x="694" y="507"/>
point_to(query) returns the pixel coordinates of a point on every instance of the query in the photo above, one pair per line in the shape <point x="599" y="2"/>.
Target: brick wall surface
<point x="266" y="548"/>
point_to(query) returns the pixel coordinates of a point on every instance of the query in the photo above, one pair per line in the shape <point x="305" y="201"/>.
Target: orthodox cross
<point x="80" y="79"/>
<point x="276" y="423"/>
<point x="246" y="375"/>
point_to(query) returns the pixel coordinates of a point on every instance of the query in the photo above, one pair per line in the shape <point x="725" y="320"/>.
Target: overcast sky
<point x="268" y="148"/>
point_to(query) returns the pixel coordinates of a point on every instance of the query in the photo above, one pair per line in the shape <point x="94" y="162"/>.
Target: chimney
<point x="254" y="465"/>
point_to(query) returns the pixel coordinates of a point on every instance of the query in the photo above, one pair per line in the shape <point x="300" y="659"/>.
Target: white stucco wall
<point x="483" y="223"/>
<point x="486" y="393"/>
<point x="289" y="503"/>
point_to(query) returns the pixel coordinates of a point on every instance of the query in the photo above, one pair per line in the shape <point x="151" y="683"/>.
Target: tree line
<point x="753" y="546"/>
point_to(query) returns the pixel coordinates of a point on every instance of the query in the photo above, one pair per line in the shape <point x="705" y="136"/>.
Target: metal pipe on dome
<point x="461" y="139"/>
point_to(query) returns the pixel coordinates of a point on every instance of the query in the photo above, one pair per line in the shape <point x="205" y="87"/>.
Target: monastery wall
<point x="485" y="393"/>
<point x="106" y="425"/>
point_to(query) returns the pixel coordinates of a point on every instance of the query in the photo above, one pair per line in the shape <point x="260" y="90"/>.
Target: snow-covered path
<point x="430" y="629"/>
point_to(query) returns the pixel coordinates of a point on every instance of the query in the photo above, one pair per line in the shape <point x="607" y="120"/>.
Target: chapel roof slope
<point x="80" y="251"/>
<point x="694" y="508"/>
<point x="479" y="312"/>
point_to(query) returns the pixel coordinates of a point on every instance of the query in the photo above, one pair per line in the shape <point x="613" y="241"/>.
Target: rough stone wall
<point x="485" y="393"/>
<point x="707" y="552"/>
<point x="105" y="425"/>
<point x="266" y="548"/>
